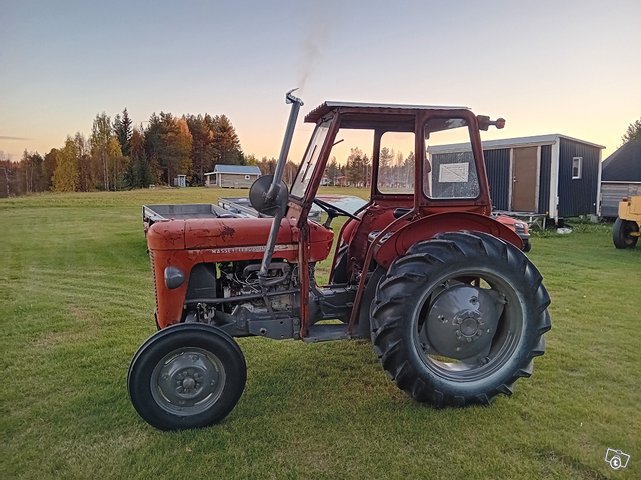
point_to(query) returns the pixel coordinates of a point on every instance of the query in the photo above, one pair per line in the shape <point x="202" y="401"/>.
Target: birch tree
<point x="66" y="175"/>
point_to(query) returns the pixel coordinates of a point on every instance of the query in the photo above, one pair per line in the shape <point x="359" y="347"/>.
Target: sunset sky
<point x="570" y="67"/>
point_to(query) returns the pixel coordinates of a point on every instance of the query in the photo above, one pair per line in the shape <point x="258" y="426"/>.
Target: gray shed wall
<point x="236" y="180"/>
<point x="613" y="192"/>
<point x="578" y="196"/>
<point x="545" y="174"/>
<point x="497" y="166"/>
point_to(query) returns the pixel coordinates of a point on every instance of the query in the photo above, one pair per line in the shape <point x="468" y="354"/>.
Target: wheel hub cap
<point x="462" y="321"/>
<point x="187" y="382"/>
<point x="470" y="324"/>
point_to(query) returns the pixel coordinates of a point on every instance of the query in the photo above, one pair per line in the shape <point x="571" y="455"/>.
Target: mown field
<point x="76" y="301"/>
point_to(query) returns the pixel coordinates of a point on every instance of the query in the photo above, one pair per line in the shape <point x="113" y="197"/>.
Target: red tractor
<point x="454" y="309"/>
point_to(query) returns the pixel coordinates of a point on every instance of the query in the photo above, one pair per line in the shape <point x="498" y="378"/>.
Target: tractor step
<point x="327" y="332"/>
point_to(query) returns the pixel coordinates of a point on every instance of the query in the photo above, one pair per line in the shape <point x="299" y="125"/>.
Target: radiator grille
<point x="153" y="276"/>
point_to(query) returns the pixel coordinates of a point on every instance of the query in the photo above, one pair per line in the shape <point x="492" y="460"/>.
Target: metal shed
<point x="232" y="176"/>
<point x="552" y="175"/>
<point x="621" y="177"/>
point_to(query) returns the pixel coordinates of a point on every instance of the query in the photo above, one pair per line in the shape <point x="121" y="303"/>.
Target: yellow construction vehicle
<point x="627" y="227"/>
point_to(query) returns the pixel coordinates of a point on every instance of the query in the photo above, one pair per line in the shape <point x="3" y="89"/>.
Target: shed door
<point x="524" y="179"/>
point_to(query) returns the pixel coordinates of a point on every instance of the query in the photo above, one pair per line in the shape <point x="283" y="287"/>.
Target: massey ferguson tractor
<point x="454" y="309"/>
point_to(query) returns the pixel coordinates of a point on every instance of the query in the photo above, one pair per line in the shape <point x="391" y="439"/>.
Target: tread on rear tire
<point x="459" y="319"/>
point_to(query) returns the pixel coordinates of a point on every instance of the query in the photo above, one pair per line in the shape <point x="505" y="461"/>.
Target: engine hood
<point x="214" y="233"/>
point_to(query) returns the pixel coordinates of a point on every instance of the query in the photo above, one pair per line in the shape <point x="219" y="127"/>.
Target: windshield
<point x="312" y="155"/>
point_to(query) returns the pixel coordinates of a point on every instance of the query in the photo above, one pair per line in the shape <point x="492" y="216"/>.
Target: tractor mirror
<point x="258" y="196"/>
<point x="485" y="122"/>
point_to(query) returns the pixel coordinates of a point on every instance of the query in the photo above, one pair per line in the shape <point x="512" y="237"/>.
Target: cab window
<point x="450" y="170"/>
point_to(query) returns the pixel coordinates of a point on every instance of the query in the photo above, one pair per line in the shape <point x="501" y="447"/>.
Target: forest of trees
<point x="118" y="155"/>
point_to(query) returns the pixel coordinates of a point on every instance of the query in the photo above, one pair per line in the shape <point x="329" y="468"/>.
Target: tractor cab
<point x="399" y="152"/>
<point x="418" y="188"/>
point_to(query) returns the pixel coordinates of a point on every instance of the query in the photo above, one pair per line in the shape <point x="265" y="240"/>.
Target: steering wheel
<point x="333" y="211"/>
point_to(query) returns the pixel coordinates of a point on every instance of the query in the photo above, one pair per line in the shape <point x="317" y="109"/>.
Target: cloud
<point x="4" y="137"/>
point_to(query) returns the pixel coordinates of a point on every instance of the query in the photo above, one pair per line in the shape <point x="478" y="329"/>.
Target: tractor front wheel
<point x="459" y="319"/>
<point x="186" y="376"/>
<point x="622" y="233"/>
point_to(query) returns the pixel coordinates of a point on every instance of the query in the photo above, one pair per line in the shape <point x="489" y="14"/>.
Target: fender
<point x="397" y="243"/>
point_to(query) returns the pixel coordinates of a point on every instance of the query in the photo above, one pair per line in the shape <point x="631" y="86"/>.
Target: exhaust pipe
<point x="275" y="187"/>
<point x="287" y="142"/>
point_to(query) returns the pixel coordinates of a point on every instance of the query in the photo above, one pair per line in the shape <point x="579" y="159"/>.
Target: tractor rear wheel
<point x="186" y="376"/>
<point x="459" y="319"/>
<point x="621" y="233"/>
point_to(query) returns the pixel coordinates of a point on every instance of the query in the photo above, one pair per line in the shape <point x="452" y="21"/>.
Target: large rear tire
<point x="621" y="233"/>
<point x="186" y="376"/>
<point x="459" y="319"/>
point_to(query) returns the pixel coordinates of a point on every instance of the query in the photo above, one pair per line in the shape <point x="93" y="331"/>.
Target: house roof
<point x="549" y="139"/>
<point x="624" y="164"/>
<point x="237" y="169"/>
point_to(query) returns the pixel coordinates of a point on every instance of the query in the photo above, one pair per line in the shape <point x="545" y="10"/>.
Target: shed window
<point x="577" y="164"/>
<point x="248" y="177"/>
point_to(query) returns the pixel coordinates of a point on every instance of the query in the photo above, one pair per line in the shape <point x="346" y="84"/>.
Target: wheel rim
<point x="468" y="326"/>
<point x="188" y="381"/>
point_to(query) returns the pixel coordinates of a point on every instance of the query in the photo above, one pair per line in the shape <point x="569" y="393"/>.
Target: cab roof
<point x="326" y="107"/>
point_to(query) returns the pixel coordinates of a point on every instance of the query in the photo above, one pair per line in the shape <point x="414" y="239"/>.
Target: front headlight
<point x="174" y="277"/>
<point x="520" y="227"/>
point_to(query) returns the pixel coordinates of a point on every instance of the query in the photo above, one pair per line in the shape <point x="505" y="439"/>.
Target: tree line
<point x="118" y="155"/>
<point x="395" y="170"/>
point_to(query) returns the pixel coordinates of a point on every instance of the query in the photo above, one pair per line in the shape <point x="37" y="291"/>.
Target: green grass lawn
<point x="76" y="301"/>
